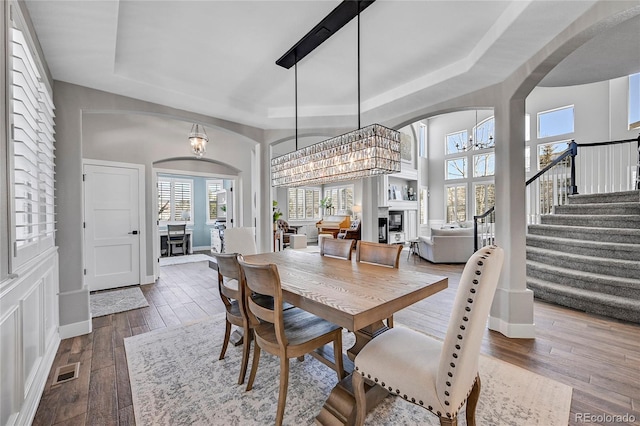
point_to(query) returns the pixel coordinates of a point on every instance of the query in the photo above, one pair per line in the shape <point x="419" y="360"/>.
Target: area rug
<point x="111" y="302"/>
<point x="179" y="260"/>
<point x="177" y="379"/>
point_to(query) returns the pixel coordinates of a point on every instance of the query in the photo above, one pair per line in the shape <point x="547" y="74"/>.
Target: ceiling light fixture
<point x="198" y="139"/>
<point x="369" y="151"/>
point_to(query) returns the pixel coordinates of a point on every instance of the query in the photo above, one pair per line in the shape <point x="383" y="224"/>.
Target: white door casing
<point x="112" y="226"/>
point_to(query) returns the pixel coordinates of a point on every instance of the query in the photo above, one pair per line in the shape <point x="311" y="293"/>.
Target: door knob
<point x="134" y="232"/>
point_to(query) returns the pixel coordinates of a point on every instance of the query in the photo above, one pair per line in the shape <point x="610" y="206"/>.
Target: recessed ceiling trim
<point x="338" y="18"/>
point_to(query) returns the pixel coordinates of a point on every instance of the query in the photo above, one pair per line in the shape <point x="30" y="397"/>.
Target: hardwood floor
<point x="598" y="357"/>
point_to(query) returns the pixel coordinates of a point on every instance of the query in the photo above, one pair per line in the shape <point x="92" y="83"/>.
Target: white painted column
<point x="512" y="309"/>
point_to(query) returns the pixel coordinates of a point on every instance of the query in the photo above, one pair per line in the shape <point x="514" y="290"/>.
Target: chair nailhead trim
<point x="439" y="413"/>
<point x="368" y="376"/>
<point x="480" y="263"/>
<point x="382" y="384"/>
<point x="462" y="327"/>
<point x="478" y="273"/>
<point x="470" y="300"/>
<point x="413" y="400"/>
<point x="398" y="391"/>
<point x="448" y="383"/>
<point x="455" y="355"/>
<point x="475" y="281"/>
<point x="465" y="319"/>
<point x="376" y="380"/>
<point x="450" y="374"/>
<point x="390" y="389"/>
<point x="357" y="368"/>
<point x="473" y="290"/>
<point x="459" y="337"/>
<point x="404" y="396"/>
<point x="446" y="393"/>
<point x="468" y="309"/>
<point x="452" y="365"/>
<point x="447" y="403"/>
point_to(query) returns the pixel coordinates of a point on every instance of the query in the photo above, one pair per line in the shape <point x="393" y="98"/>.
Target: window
<point x="485" y="197"/>
<point x="484" y="165"/>
<point x="550" y="151"/>
<point x="456" y="168"/>
<point x="213" y="187"/>
<point x="634" y="101"/>
<point x="555" y="122"/>
<point x="341" y="198"/>
<point x="175" y="197"/>
<point x="484" y="134"/>
<point x="527" y="159"/>
<point x="32" y="123"/>
<point x="304" y="203"/>
<point x="456" y="203"/>
<point x="456" y="142"/>
<point x="422" y="142"/>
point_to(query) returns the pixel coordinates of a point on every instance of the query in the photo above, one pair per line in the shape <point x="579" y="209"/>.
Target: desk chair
<point x="286" y="334"/>
<point x="379" y="254"/>
<point x="176" y="237"/>
<point x="439" y="376"/>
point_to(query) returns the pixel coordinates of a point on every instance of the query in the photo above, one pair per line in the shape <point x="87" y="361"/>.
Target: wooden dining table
<point x="355" y="295"/>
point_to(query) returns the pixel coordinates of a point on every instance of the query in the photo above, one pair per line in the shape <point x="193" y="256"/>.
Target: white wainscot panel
<point x="10" y="390"/>
<point x="32" y="332"/>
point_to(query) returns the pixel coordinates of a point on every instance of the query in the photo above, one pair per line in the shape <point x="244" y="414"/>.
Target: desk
<point x="163" y="240"/>
<point x="357" y="296"/>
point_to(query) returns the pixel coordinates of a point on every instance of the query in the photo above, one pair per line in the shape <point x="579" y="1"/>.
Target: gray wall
<point x="96" y="125"/>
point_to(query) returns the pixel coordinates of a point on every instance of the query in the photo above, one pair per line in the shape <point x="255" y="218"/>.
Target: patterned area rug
<point x="112" y="302"/>
<point x="179" y="260"/>
<point x="177" y="379"/>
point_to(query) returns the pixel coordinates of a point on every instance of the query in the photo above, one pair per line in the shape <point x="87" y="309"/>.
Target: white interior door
<point x="112" y="226"/>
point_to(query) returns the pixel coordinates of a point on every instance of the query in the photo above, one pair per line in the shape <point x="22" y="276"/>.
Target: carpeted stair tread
<point x="613" y="235"/>
<point x="620" y="286"/>
<point x="605" y="266"/>
<point x="612" y="197"/>
<point x="598" y="221"/>
<point x="590" y="301"/>
<point x="614" y="250"/>
<point x="628" y="208"/>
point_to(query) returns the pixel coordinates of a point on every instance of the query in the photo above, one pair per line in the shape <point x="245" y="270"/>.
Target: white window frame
<point x="551" y="111"/>
<point x="316" y="206"/>
<point x="337" y="204"/>
<point x="466" y="204"/>
<point x="209" y="182"/>
<point x="464" y="142"/>
<point x="465" y="172"/>
<point x="538" y="146"/>
<point x="475" y="184"/>
<point x="172" y="181"/>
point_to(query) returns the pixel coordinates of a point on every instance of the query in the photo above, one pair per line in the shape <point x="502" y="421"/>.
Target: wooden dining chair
<point x="436" y="375"/>
<point x="288" y="334"/>
<point x="337" y="248"/>
<point x="379" y="254"/>
<point x="232" y="295"/>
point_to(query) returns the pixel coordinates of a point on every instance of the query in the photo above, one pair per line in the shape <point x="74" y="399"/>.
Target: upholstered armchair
<point x="283" y="226"/>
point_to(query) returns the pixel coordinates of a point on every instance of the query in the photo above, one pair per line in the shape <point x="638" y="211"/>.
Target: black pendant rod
<point x="359" y="69"/>
<point x="343" y="13"/>
<point x="295" y="71"/>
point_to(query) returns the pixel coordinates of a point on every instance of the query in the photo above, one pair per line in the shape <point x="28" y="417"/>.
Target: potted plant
<point x="277" y="214"/>
<point x="326" y="204"/>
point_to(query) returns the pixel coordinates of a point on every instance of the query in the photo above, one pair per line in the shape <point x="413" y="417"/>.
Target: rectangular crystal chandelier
<point x="368" y="151"/>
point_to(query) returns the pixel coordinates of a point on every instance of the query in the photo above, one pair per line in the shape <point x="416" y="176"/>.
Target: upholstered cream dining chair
<point x="240" y="240"/>
<point x="439" y="376"/>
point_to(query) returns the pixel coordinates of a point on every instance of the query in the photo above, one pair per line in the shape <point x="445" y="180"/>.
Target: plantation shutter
<point x="164" y="200"/>
<point x="32" y="134"/>
<point x="182" y="199"/>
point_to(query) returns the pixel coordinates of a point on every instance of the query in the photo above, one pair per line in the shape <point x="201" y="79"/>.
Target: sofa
<point x="452" y="245"/>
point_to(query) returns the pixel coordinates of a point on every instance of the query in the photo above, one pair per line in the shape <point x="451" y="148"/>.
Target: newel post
<point x="573" y="146"/>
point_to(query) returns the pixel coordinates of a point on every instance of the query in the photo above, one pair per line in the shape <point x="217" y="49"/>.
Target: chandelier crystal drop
<point x="198" y="139"/>
<point x="368" y="151"/>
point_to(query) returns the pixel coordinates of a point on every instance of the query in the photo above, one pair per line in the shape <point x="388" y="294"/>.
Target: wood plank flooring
<point x="598" y="357"/>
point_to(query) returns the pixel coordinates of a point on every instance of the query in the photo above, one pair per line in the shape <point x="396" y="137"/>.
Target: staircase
<point x="587" y="255"/>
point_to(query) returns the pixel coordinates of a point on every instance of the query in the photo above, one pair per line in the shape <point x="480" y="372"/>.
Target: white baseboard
<point x="32" y="400"/>
<point x="514" y="331"/>
<point x="75" y="329"/>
